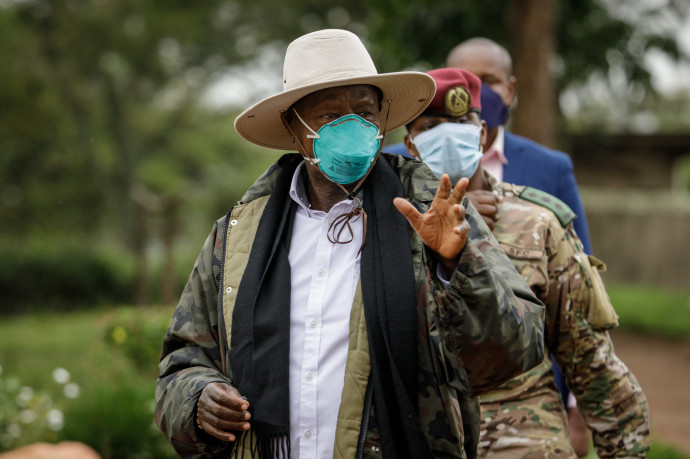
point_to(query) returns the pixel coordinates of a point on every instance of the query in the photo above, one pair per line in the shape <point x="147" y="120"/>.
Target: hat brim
<point x="409" y="94"/>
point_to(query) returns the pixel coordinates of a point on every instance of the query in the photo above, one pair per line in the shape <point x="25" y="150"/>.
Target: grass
<point x="32" y="346"/>
<point x="651" y="309"/>
<point x="114" y="412"/>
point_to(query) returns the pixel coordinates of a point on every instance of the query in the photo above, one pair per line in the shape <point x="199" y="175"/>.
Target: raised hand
<point x="221" y="409"/>
<point x="443" y="227"/>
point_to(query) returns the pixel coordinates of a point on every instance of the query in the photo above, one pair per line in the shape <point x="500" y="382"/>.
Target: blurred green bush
<point x="117" y="420"/>
<point x="112" y="353"/>
<point x="66" y="276"/>
<point x="138" y="333"/>
<point x="29" y="415"/>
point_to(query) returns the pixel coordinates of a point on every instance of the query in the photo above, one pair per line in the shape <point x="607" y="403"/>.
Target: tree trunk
<point x="169" y="291"/>
<point x="533" y="47"/>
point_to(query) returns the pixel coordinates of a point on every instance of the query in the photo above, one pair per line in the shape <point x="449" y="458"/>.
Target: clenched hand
<point x="221" y="409"/>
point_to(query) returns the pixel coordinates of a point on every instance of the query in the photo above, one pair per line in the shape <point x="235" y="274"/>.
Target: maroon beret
<point x="457" y="92"/>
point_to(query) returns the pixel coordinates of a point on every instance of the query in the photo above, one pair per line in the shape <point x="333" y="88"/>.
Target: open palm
<point x="443" y="227"/>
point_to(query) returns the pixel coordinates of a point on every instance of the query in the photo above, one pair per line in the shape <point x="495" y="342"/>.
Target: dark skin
<point x="479" y="188"/>
<point x="443" y="228"/>
<point x="492" y="64"/>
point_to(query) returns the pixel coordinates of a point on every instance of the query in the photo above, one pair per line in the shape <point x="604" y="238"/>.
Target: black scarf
<point x="260" y="343"/>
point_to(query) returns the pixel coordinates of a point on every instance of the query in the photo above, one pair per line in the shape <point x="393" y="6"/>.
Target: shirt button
<point x="307" y="434"/>
<point x="308" y="377"/>
<point x="228" y="290"/>
<point x="312" y="323"/>
<point x="320" y="272"/>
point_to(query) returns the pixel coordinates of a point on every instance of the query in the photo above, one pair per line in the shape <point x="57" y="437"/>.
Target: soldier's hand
<point x="221" y="409"/>
<point x="443" y="227"/>
<point x="486" y="204"/>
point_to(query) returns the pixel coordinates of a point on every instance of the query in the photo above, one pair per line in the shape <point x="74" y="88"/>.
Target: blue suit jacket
<point x="532" y="164"/>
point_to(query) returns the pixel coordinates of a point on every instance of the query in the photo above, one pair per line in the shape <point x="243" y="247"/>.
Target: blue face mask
<point x="345" y="148"/>
<point x="451" y="148"/>
<point x="494" y="111"/>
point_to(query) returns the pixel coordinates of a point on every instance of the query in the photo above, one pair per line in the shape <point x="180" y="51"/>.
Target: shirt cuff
<point x="441" y="274"/>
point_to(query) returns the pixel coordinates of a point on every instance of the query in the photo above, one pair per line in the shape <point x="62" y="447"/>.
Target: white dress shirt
<point x="324" y="277"/>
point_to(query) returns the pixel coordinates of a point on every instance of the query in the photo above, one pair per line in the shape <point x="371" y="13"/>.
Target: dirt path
<point x="662" y="367"/>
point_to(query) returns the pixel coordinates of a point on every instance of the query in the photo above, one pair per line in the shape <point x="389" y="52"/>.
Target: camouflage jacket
<point x="536" y="232"/>
<point x="482" y="329"/>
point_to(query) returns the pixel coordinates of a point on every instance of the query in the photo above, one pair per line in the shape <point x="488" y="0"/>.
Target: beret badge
<point x="457" y="101"/>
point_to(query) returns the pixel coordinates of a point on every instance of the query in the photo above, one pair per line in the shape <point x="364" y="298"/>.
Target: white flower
<point x="27" y="416"/>
<point x="72" y="390"/>
<point x="14" y="430"/>
<point x="56" y="420"/>
<point x="60" y="375"/>
<point x="24" y="396"/>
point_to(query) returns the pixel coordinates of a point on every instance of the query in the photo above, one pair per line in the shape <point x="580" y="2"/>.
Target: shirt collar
<point x="298" y="193"/>
<point x="499" y="145"/>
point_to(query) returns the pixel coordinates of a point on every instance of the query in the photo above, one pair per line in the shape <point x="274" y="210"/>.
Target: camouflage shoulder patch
<point x="564" y="214"/>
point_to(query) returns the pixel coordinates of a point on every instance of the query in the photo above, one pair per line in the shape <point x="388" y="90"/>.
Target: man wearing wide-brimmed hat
<point x="350" y="305"/>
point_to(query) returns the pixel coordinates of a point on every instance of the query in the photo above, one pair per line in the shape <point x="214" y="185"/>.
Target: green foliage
<point x="651" y="309"/>
<point x="114" y="411"/>
<point x="106" y="138"/>
<point x="660" y="450"/>
<point x="117" y="420"/>
<point x="29" y="415"/>
<point x="138" y="333"/>
<point x="65" y="276"/>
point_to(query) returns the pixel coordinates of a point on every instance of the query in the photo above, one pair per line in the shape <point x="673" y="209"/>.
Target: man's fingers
<point x="462" y="229"/>
<point x="223" y="426"/>
<point x="443" y="188"/>
<point x="459" y="212"/>
<point x="222" y="430"/>
<point x="459" y="190"/>
<point x="221" y="409"/>
<point x="226" y="395"/>
<point x="409" y="211"/>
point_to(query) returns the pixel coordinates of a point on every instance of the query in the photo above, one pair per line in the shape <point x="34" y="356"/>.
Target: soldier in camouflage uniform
<point x="525" y="417"/>
<point x="437" y="316"/>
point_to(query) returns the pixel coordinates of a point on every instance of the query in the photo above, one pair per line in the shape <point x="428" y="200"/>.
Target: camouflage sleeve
<point x="489" y="320"/>
<point x="608" y="395"/>
<point x="191" y="356"/>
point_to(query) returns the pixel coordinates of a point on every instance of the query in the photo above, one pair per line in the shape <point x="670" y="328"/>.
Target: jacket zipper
<point x="365" y="424"/>
<point x="221" y="318"/>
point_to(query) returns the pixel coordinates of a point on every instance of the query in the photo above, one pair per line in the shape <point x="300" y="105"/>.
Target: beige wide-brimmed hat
<point x="326" y="59"/>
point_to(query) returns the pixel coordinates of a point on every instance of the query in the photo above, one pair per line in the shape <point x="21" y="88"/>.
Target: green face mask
<point x="345" y="148"/>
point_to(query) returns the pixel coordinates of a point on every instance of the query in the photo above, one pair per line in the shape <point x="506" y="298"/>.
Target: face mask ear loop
<point x="314" y="134"/>
<point x="313" y="161"/>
